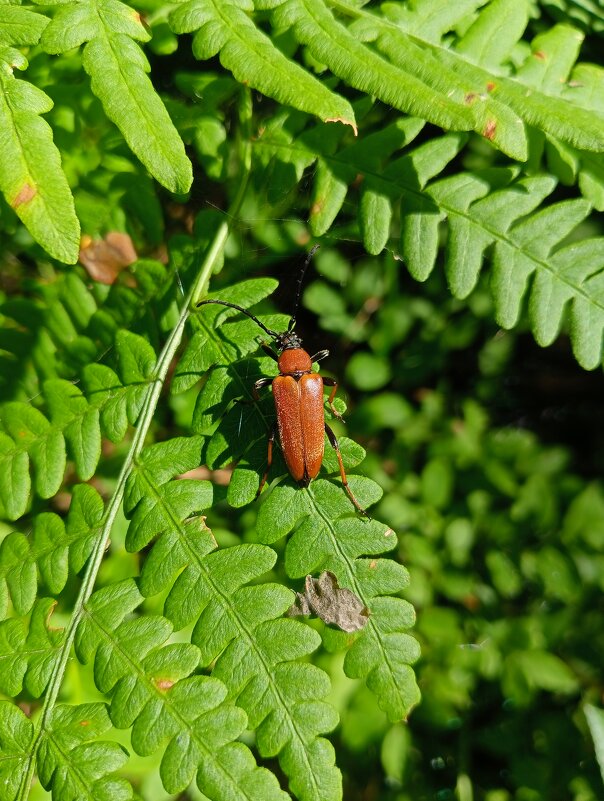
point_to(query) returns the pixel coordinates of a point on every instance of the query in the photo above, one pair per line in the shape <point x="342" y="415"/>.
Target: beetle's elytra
<point x="298" y="396"/>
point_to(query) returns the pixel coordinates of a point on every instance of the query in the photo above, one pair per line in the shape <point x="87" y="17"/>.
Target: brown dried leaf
<point x="335" y="605"/>
<point x="105" y="258"/>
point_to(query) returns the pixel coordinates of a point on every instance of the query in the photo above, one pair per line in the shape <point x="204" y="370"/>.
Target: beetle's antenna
<point x="272" y="334"/>
<point x="312" y="252"/>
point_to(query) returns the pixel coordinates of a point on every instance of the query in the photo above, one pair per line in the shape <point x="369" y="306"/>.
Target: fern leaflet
<point x="117" y="67"/>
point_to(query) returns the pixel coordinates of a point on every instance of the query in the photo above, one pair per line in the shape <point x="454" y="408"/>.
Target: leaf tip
<point x="344" y="121"/>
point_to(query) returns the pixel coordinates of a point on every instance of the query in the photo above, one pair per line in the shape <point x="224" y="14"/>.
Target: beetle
<point x="298" y="396"/>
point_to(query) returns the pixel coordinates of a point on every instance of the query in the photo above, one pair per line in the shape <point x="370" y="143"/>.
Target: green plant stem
<point x="144" y="422"/>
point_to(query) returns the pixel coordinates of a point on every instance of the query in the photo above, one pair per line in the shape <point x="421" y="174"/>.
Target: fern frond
<point x="327" y="538"/>
<point x="74" y="764"/>
<point x="55" y="547"/>
<point x="500" y="101"/>
<point x="482" y="211"/>
<point x="154" y="690"/>
<point x="225" y="28"/>
<point x="237" y="629"/>
<point x="332" y="44"/>
<point x="31" y="178"/>
<point x="74" y="422"/>
<point x="117" y="67"/>
<point x="203" y="350"/>
<point x="69" y="328"/>
<point x="16" y="733"/>
<point x="526" y="244"/>
<point x="28" y="650"/>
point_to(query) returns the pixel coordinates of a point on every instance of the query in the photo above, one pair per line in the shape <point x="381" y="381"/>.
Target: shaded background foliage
<point x="488" y="448"/>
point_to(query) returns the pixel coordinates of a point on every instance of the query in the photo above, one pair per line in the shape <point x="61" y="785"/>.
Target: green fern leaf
<point x="225" y="28"/>
<point x="554" y="55"/>
<point x="14" y="478"/>
<point x="18" y="571"/>
<point x="203" y="351"/>
<point x="383" y="651"/>
<point x="491" y="37"/>
<point x="74" y="764"/>
<point x="237" y="626"/>
<point x="120" y="399"/>
<point x="70" y="410"/>
<point x="329" y="193"/>
<point x="526" y="244"/>
<point x="54" y="547"/>
<point x="376" y="215"/>
<point x="117" y="407"/>
<point x="46" y="446"/>
<point x="16" y="733"/>
<point x="332" y="44"/>
<point x="553" y="115"/>
<point x="154" y="692"/>
<point x="430" y="19"/>
<point x="118" y="67"/>
<point x="21" y="26"/>
<point x="31" y="178"/>
<point x="477" y="69"/>
<point x="136" y="358"/>
<point x="28" y="651"/>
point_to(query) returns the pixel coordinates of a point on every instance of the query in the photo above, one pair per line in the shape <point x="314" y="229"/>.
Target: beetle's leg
<point x="331" y="382"/>
<point x="269" y="458"/>
<point x="261" y="382"/>
<point x="320" y="355"/>
<point x="269" y="351"/>
<point x="334" y="444"/>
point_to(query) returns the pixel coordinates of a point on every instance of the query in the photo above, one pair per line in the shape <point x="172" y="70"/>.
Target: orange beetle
<point x="298" y="395"/>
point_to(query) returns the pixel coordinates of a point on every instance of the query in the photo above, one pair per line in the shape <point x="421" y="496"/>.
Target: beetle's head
<point x="288" y="340"/>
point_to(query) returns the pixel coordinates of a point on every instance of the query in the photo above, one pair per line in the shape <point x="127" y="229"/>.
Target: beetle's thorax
<point x="295" y="362"/>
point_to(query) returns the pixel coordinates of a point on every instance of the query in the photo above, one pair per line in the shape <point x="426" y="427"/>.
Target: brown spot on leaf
<point x="316" y="208"/>
<point x="105" y="258"/>
<point x="373" y="564"/>
<point x="24" y="195"/>
<point x="164" y="684"/>
<point x="540" y="55"/>
<point x="84" y="723"/>
<point x="470" y="98"/>
<point x="491" y="85"/>
<point x="51" y="609"/>
<point x="490" y="130"/>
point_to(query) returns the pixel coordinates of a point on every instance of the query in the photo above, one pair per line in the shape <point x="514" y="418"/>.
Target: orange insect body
<point x="298" y="395"/>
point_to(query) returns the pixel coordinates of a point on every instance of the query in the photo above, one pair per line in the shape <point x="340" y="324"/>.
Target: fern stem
<point x="144" y="422"/>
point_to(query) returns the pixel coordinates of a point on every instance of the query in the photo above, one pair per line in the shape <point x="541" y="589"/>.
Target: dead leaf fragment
<point x="105" y="258"/>
<point x="335" y="605"/>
